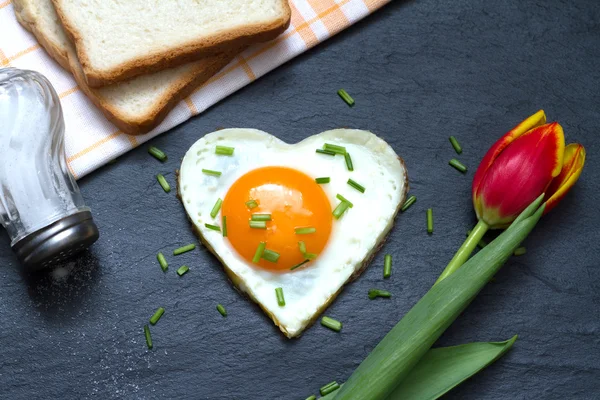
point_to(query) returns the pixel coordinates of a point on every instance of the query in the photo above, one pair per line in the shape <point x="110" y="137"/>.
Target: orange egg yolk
<point x="293" y="199"/>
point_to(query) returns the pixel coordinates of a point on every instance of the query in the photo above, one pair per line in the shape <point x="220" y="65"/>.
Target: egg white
<point x="354" y="237"/>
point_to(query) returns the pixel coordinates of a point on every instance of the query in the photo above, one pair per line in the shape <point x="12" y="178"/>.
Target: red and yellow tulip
<point x="528" y="161"/>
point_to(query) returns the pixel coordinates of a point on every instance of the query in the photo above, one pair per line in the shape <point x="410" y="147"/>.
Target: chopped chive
<point x="259" y="252"/>
<point x="340" y="209"/>
<point x="182" y="270"/>
<point x="224" y="224"/>
<point x="163" y="183"/>
<point x="305" y="230"/>
<point x="159" y="313"/>
<point x="216" y="208"/>
<point x="348" y="159"/>
<point x="334" y="148"/>
<point x="148" y="336"/>
<point x="387" y="266"/>
<point x="409" y="202"/>
<point x="258" y="224"/>
<point x="184" y="249"/>
<point x="310" y="256"/>
<point x="299" y="264"/>
<point x="331" y="323"/>
<point x="329" y="388"/>
<point x="328" y="152"/>
<point x="430" y="220"/>
<point x="270" y="255"/>
<point x="345" y="200"/>
<point x="157" y="153"/>
<point x="302" y="247"/>
<point x="346" y="97"/>
<point x="455" y="144"/>
<point x="224" y="150"/>
<point x="373" y="293"/>
<point x="251" y="204"/>
<point x="280" y="298"/>
<point x="260" y="217"/>
<point x="211" y="172"/>
<point x="356" y="185"/>
<point x="162" y="261"/>
<point x="323" y="180"/>
<point x="520" y="251"/>
<point x="458" y="165"/>
<point x="221" y="310"/>
<point x="313" y="397"/>
<point x="213" y="227"/>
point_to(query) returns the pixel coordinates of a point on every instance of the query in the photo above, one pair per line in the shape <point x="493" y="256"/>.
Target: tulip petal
<point x="573" y="161"/>
<point x="521" y="173"/>
<point x="537" y="119"/>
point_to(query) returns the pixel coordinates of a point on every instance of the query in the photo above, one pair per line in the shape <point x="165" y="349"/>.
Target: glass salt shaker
<point x="40" y="203"/>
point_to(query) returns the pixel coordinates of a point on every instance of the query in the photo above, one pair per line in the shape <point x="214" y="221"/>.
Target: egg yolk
<point x="293" y="200"/>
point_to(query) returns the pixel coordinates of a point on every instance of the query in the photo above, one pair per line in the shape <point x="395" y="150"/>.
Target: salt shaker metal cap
<point x="41" y="206"/>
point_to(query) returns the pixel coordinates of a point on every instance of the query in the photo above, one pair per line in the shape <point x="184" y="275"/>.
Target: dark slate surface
<point x="419" y="71"/>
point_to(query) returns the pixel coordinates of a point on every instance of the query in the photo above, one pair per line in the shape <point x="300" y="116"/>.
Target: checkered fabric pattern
<point x="92" y="141"/>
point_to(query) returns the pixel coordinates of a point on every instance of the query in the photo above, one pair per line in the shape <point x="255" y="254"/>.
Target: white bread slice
<point x="135" y="106"/>
<point x="117" y="40"/>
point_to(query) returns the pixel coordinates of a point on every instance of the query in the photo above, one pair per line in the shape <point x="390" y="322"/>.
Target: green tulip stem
<point x="463" y="254"/>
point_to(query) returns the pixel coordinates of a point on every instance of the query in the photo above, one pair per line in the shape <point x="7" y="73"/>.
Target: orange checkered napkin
<point x="92" y="141"/>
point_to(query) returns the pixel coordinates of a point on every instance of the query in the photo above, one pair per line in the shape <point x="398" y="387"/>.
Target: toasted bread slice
<point x="117" y="40"/>
<point x="135" y="106"/>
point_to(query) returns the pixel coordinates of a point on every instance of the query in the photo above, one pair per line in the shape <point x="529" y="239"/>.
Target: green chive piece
<point x="213" y="227"/>
<point x="182" y="270"/>
<point x="299" y="265"/>
<point x="387" y="266"/>
<point x="345" y="200"/>
<point x="159" y="313"/>
<point x="329" y="388"/>
<point x="346" y="97"/>
<point x="259" y="252"/>
<point x="224" y="150"/>
<point x="340" y="209"/>
<point x="356" y="185"/>
<point x="211" y="172"/>
<point x="280" y="298"/>
<point x="260" y="217"/>
<point x="323" y="180"/>
<point x="328" y="152"/>
<point x="313" y="397"/>
<point x="258" y="224"/>
<point x="270" y="255"/>
<point x="251" y="204"/>
<point x="163" y="183"/>
<point x="162" y="261"/>
<point x="221" y="310"/>
<point x="430" y="220"/>
<point x="302" y="247"/>
<point x="310" y="256"/>
<point x="373" y="293"/>
<point x="520" y="251"/>
<point x="184" y="249"/>
<point x="157" y="153"/>
<point x="224" y="223"/>
<point x="409" y="202"/>
<point x="334" y="148"/>
<point x="331" y="323"/>
<point x="348" y="159"/>
<point x="458" y="165"/>
<point x="216" y="208"/>
<point x="148" y="336"/>
<point x="455" y="144"/>
<point x="305" y="230"/>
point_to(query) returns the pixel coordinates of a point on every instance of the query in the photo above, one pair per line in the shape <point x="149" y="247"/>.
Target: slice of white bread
<point x="117" y="40"/>
<point x="135" y="106"/>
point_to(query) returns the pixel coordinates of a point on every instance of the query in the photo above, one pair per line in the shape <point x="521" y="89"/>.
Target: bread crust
<point x="158" y="61"/>
<point x="184" y="86"/>
<point x="235" y="279"/>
